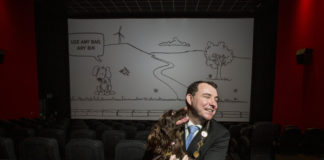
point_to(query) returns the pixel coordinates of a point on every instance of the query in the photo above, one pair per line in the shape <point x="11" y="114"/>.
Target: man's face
<point x="204" y="102"/>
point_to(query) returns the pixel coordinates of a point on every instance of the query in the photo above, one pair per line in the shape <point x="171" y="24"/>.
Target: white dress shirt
<point x="187" y="130"/>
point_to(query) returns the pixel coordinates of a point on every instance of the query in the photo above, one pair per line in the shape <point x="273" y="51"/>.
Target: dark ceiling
<point x="113" y="8"/>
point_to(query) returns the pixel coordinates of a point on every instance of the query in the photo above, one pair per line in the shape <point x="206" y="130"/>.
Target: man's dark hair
<point x="193" y="87"/>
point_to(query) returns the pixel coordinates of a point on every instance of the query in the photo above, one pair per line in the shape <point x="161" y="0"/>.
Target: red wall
<point x="298" y="94"/>
<point x="18" y="73"/>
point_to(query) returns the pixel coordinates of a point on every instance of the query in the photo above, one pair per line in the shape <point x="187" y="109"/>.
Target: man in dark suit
<point x="204" y="138"/>
<point x="211" y="140"/>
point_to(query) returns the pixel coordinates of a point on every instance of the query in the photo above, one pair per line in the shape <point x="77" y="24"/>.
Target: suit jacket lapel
<point x="212" y="134"/>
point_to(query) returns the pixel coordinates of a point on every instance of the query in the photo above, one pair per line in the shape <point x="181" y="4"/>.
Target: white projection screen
<point x="137" y="69"/>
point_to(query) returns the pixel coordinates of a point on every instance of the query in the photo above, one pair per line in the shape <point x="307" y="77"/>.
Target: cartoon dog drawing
<point x="103" y="76"/>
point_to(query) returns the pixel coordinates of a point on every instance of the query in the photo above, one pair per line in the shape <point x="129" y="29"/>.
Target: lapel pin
<point x="204" y="134"/>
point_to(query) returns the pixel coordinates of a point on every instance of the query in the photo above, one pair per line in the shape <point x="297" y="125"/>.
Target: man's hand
<point x="173" y="157"/>
<point x="184" y="119"/>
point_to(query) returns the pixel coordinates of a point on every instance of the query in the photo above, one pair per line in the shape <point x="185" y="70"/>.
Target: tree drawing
<point x="217" y="56"/>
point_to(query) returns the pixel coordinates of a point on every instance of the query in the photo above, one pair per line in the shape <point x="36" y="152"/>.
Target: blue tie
<point x="192" y="130"/>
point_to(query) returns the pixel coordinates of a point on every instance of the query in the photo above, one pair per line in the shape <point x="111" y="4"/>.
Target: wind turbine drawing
<point x="120" y="35"/>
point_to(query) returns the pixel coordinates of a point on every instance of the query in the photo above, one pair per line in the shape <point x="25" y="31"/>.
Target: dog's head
<point x="101" y="72"/>
<point x="165" y="138"/>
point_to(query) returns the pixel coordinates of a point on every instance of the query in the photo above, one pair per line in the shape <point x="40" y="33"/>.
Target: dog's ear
<point x="95" y="70"/>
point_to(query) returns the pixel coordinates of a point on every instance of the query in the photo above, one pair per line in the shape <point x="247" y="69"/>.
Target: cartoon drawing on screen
<point x="120" y="35"/>
<point x="175" y="42"/>
<point x="103" y="77"/>
<point x="162" y="72"/>
<point x="217" y="56"/>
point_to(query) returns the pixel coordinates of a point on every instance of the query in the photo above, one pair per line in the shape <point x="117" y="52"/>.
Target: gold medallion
<point x="196" y="154"/>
